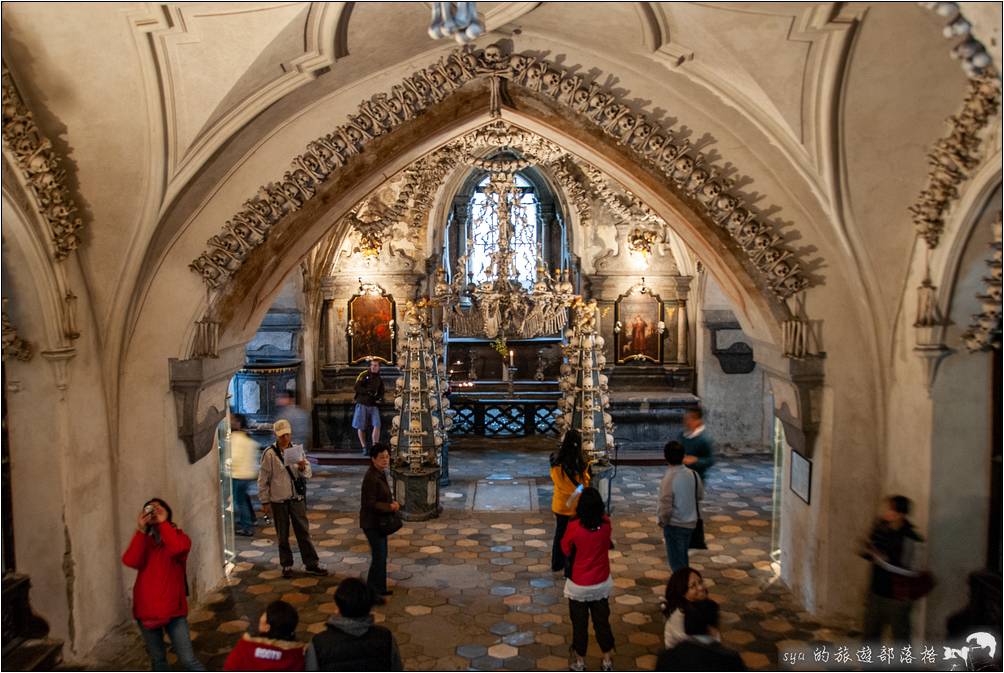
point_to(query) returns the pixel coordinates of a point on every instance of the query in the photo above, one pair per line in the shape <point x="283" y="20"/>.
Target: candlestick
<point x="510" y="358"/>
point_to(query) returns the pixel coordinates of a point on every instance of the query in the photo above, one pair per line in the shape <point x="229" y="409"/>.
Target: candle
<point x="510" y="359"/>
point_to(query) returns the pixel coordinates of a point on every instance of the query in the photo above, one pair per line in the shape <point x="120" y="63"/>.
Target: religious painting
<point x="637" y="337"/>
<point x="371" y="328"/>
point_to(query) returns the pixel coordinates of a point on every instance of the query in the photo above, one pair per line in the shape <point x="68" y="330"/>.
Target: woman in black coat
<point x="377" y="502"/>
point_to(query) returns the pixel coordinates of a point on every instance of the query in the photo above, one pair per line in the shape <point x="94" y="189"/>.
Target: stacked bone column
<point x="585" y="398"/>
<point x="441" y="420"/>
<point x="418" y="429"/>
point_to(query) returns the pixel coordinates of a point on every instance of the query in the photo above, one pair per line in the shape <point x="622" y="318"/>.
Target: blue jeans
<point x="677" y="546"/>
<point x="376" y="578"/>
<point x="181" y="641"/>
<point x="243" y="511"/>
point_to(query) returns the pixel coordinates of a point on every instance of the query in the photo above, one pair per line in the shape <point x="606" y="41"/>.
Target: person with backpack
<point x="159" y="551"/>
<point x="586" y="544"/>
<point x="275" y="648"/>
<point x="351" y="641"/>
<point x="570" y="476"/>
<point x="282" y="491"/>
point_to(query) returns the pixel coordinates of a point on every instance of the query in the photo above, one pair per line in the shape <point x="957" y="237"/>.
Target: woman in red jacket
<point x="588" y="542"/>
<point x="159" y="551"/>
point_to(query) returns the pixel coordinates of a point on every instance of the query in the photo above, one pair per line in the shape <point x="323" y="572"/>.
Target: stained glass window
<point x="483" y="231"/>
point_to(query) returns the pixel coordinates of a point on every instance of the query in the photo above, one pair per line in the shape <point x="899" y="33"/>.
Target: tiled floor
<point x="474" y="590"/>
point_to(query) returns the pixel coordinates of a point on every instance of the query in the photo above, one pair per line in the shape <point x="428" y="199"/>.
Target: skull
<point x="625" y="124"/>
<point x="749" y="230"/>
<point x="710" y="191"/>
<point x="492" y="55"/>
<point x="551" y="80"/>
<point x="654" y="145"/>
<point x="771" y="255"/>
<point x="794" y="283"/>
<point x="725" y="202"/>
<point x="669" y="154"/>
<point x="567" y="85"/>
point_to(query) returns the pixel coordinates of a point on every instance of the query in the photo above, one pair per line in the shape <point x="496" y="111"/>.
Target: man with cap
<point x="281" y="489"/>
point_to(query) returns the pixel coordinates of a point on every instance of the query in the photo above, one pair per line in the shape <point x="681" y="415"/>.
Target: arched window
<point x="483" y="231"/>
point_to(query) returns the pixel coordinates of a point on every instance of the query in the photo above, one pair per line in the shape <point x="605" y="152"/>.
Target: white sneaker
<point x="577" y="666"/>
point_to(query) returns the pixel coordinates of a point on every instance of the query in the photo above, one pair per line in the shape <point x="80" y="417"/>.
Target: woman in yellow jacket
<point x="570" y="475"/>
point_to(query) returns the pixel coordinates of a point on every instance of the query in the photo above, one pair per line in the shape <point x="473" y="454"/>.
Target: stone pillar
<point x="329" y="332"/>
<point x="681" y="332"/>
<point x="418" y="492"/>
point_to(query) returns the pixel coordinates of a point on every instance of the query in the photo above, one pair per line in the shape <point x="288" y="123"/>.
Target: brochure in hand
<point x="293" y="455"/>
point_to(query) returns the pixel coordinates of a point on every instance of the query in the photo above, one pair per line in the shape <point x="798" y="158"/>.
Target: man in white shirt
<point x="244" y="472"/>
<point x="283" y="500"/>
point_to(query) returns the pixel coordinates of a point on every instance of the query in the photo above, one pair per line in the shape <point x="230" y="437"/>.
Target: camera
<point x="149" y="509"/>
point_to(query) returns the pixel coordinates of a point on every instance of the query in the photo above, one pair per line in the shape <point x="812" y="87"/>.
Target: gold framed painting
<point x="371" y="328"/>
<point x="638" y="316"/>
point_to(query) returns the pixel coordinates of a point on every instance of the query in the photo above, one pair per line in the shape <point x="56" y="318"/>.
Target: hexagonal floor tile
<point x="502" y="651"/>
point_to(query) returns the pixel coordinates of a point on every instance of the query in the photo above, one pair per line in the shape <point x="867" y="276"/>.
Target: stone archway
<point x="260" y="245"/>
<point x="450" y="97"/>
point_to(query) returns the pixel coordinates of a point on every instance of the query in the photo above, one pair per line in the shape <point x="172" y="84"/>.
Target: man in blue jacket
<point x="696" y="442"/>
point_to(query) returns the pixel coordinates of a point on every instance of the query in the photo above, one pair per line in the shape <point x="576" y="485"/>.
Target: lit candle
<point x="510" y="359"/>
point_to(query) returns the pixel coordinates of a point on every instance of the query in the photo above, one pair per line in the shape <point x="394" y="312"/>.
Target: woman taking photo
<point x="159" y="551"/>
<point x="377" y="506"/>
<point x="569" y="474"/>
<point x="587" y="544"/>
<point x="685" y="586"/>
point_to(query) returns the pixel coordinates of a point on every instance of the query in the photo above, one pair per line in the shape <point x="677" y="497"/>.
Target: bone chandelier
<point x="500" y="305"/>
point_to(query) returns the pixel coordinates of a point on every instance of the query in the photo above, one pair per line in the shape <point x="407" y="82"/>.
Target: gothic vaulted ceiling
<point x="171" y="116"/>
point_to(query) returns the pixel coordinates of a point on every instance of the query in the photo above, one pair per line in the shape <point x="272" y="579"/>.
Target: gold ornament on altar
<point x="642" y="241"/>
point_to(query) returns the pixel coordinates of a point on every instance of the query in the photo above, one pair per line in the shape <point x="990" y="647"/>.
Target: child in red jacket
<point x="587" y="544"/>
<point x="275" y="648"/>
<point x="159" y="551"/>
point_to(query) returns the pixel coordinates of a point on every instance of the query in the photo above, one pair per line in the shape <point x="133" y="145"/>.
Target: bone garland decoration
<point x="40" y="167"/>
<point x="954" y="156"/>
<point x="985" y="332"/>
<point x="650" y="142"/>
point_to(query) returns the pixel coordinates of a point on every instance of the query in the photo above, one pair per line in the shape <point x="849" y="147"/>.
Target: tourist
<point x="275" y="648"/>
<point x="586" y="544"/>
<point x="281" y="492"/>
<point x="679" y="492"/>
<point x="890" y="547"/>
<point x="701" y="651"/>
<point x="686" y="586"/>
<point x="697" y="445"/>
<point x="369" y="393"/>
<point x="570" y="476"/>
<point x="351" y="641"/>
<point x="377" y="506"/>
<point x="299" y="420"/>
<point x="159" y="551"/>
<point x="244" y="472"/>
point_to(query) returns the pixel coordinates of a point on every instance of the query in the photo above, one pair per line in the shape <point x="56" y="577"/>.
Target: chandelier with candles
<point x="499" y="304"/>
